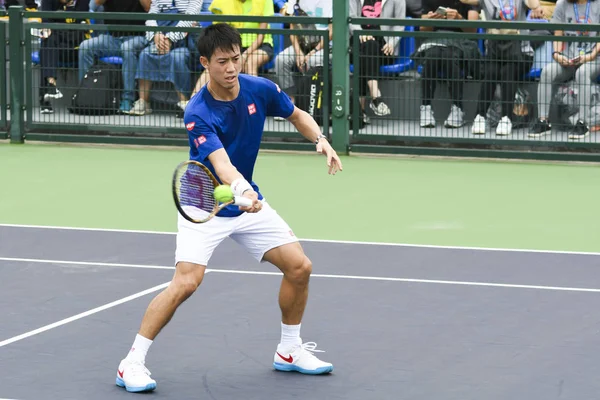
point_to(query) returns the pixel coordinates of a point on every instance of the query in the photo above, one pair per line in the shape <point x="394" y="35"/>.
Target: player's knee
<point x="300" y="273"/>
<point x="187" y="286"/>
<point x="187" y="279"/>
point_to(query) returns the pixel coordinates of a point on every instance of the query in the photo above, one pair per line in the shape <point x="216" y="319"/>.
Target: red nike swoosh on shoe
<point x="288" y="359"/>
<point x="120" y="373"/>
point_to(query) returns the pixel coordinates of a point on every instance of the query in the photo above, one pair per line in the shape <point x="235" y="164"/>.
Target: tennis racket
<point x="193" y="187"/>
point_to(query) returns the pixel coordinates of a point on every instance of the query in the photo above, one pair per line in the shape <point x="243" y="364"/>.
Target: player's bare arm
<point x="308" y="128"/>
<point x="229" y="175"/>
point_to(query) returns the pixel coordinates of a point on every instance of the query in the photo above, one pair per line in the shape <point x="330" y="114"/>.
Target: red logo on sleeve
<point x="278" y="88"/>
<point x="251" y="109"/>
<point x="199" y="140"/>
<point x="190" y="125"/>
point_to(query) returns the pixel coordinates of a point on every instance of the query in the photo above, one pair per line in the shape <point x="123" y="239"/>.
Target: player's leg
<point x="195" y="245"/>
<point x="267" y="237"/>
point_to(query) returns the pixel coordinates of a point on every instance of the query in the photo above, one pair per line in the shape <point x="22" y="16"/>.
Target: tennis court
<point x="442" y="317"/>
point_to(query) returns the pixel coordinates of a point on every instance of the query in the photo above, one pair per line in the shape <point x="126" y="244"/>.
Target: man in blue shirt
<point x="225" y="122"/>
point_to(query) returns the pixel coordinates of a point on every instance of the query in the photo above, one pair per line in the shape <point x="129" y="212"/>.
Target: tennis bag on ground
<point x="99" y="91"/>
<point x="310" y="95"/>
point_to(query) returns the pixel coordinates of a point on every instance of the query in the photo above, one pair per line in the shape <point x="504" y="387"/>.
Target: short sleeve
<point x="279" y="103"/>
<point x="203" y="139"/>
<point x="558" y="16"/>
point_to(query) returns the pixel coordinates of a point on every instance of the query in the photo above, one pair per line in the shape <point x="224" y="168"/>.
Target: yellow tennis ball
<point x="223" y="193"/>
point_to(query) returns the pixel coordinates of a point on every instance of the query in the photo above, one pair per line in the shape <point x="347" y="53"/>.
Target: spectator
<point x="167" y="57"/>
<point x="125" y="45"/>
<point x="257" y="49"/>
<point x="30" y="5"/>
<point x="445" y="58"/>
<point x="506" y="62"/>
<point x="576" y="60"/>
<point x="304" y="53"/>
<point x="58" y="46"/>
<point x="375" y="51"/>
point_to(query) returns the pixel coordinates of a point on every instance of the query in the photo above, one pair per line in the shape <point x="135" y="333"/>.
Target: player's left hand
<point x="333" y="161"/>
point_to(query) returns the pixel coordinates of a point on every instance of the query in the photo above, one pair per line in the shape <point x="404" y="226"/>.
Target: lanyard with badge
<point x="507" y="13"/>
<point x="578" y="20"/>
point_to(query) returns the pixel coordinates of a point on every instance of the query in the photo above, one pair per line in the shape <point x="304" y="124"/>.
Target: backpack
<point x="99" y="91"/>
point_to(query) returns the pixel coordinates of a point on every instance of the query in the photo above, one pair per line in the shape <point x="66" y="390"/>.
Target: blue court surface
<point x="397" y="322"/>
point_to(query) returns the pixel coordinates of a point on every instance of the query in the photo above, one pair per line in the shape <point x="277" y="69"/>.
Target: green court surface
<point x="395" y="200"/>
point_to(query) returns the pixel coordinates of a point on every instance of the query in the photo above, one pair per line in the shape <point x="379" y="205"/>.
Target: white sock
<point x="139" y="349"/>
<point x="290" y="335"/>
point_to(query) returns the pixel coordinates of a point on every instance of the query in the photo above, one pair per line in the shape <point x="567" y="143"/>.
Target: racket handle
<point x="242" y="201"/>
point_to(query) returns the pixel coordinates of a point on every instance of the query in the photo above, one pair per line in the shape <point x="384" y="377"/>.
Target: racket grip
<point x="242" y="201"/>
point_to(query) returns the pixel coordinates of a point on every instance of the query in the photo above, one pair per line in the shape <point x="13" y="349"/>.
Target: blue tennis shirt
<point x="237" y="126"/>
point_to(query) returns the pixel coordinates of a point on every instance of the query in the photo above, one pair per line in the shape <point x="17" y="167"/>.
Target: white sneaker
<point x="504" y="127"/>
<point x="381" y="109"/>
<point x="455" y="118"/>
<point x="478" y="127"/>
<point x="182" y="104"/>
<point x="300" y="358"/>
<point x="134" y="377"/>
<point x="426" y="120"/>
<point x="140" y="107"/>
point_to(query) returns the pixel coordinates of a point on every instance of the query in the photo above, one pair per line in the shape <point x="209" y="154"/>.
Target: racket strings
<point x="196" y="188"/>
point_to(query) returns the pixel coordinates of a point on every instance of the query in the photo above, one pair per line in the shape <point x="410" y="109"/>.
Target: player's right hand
<point x="256" y="204"/>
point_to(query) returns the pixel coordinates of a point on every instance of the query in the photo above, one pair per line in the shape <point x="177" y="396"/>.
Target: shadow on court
<point x="397" y="322"/>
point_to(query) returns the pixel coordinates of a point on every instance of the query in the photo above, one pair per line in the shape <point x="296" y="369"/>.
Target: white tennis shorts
<point x="257" y="233"/>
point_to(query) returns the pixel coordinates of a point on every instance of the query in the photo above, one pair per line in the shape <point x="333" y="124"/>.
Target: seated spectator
<point x="375" y="51"/>
<point x="30" y="5"/>
<point x="506" y="61"/>
<point x="167" y="58"/>
<point x="305" y="52"/>
<point x="125" y="45"/>
<point x="572" y="60"/>
<point x="58" y="46"/>
<point x="257" y="49"/>
<point x="446" y="60"/>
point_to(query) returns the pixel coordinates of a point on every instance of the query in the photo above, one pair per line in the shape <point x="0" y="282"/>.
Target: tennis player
<point x="225" y="123"/>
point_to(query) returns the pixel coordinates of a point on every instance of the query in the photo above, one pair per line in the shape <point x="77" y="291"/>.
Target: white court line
<point x="86" y="263"/>
<point x="83" y="314"/>
<point x="333" y="276"/>
<point x="427" y="246"/>
<point x="431" y="281"/>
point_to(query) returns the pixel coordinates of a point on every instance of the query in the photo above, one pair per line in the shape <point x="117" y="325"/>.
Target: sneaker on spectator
<point x="455" y="118"/>
<point x="478" y="127"/>
<point x="379" y="107"/>
<point x="426" y="118"/>
<point x="504" y="127"/>
<point x="46" y="108"/>
<point x="366" y="119"/>
<point x="540" y="128"/>
<point x="125" y="107"/>
<point x="579" y="131"/>
<point x="52" y="93"/>
<point x="140" y="107"/>
<point x="182" y="104"/>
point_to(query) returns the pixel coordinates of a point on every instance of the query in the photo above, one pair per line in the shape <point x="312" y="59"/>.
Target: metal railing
<point x="400" y="82"/>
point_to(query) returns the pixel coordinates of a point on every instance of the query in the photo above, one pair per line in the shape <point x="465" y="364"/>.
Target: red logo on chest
<point x="251" y="109"/>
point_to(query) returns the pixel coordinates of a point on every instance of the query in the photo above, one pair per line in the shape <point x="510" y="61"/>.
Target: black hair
<point x="217" y="36"/>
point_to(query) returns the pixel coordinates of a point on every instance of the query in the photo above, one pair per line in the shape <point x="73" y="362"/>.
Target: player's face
<point x="224" y="67"/>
